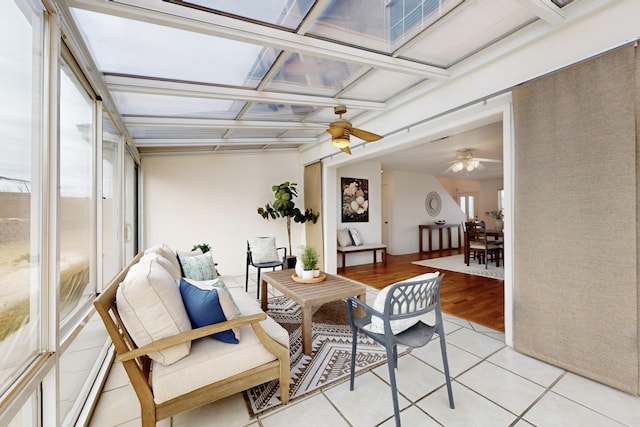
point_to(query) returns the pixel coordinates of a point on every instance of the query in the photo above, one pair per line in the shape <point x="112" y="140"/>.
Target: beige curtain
<point x="575" y="222"/>
<point x="313" y="200"/>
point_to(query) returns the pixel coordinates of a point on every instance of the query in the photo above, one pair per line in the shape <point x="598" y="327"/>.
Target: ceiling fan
<point x="341" y="130"/>
<point x="465" y="161"/>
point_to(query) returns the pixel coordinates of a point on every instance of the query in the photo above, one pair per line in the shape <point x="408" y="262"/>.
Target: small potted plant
<point x="204" y="247"/>
<point x="309" y="258"/>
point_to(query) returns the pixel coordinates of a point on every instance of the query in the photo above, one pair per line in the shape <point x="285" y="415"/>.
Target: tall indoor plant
<point x="284" y="206"/>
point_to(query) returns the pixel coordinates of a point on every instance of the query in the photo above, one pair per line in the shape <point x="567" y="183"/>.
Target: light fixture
<point x="465" y="161"/>
<point x="340" y="139"/>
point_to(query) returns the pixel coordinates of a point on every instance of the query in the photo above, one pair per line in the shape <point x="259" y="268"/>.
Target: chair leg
<point x="258" y="287"/>
<point x="395" y="356"/>
<point x="445" y="363"/>
<point x="392" y="380"/>
<point x="354" y="344"/>
<point x="246" y="279"/>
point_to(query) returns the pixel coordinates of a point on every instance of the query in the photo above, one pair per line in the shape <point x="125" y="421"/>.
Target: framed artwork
<point x="355" y="200"/>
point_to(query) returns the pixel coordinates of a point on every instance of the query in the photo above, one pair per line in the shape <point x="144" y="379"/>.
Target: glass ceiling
<point x="181" y="72"/>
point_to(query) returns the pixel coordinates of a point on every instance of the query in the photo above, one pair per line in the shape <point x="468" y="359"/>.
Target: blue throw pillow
<point x="203" y="307"/>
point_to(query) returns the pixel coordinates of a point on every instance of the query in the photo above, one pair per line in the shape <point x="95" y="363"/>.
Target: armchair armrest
<point x="369" y="311"/>
<point x="191" y="335"/>
<point x="367" y="308"/>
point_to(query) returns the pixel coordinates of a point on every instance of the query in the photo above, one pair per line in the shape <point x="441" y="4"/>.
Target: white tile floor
<point x="492" y="386"/>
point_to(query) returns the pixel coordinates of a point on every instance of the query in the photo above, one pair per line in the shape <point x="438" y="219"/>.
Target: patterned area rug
<point x="330" y="357"/>
<point x="456" y="263"/>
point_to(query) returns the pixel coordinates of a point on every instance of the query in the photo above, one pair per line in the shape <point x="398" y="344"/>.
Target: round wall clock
<point x="433" y="203"/>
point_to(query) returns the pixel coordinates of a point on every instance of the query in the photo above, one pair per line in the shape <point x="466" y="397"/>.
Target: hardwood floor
<point x="474" y="298"/>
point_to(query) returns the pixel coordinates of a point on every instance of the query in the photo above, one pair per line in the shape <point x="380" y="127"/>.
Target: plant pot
<point x="499" y="224"/>
<point x="316" y="272"/>
<point x="307" y="274"/>
<point x="299" y="268"/>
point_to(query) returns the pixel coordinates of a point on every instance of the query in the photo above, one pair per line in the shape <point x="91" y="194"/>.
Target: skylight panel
<point x="381" y="85"/>
<point x="127" y="46"/>
<point x="474" y="26"/>
<point x="380" y="25"/>
<point x="284" y="13"/>
<point x="175" y="106"/>
<point x="306" y="74"/>
<point x="276" y="111"/>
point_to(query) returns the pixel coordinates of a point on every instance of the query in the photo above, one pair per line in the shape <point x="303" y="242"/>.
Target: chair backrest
<point x="476" y="230"/>
<point x="411" y="299"/>
<point x="265" y="244"/>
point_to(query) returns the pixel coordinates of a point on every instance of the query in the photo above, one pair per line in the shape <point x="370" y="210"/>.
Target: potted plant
<point x="204" y="247"/>
<point x="309" y="258"/>
<point x="284" y="206"/>
<point x="498" y="219"/>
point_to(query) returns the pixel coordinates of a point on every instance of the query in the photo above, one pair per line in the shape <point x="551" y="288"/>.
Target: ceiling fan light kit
<point x="466" y="161"/>
<point x="341" y="131"/>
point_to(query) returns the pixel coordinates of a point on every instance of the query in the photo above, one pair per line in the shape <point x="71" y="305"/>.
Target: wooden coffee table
<point x="308" y="295"/>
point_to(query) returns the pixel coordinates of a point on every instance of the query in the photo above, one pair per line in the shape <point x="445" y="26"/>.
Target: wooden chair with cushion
<point x="476" y="241"/>
<point x="139" y="366"/>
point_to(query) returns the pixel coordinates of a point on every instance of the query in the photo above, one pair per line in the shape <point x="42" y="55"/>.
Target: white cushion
<point x="344" y="239"/>
<point x="165" y="263"/>
<point x="355" y="237"/>
<point x="164" y="250"/>
<point x="399" y="325"/>
<point x="202" y="366"/>
<point x="263" y="249"/>
<point x="150" y="305"/>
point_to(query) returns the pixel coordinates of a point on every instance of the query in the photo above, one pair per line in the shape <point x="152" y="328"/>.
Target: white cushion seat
<point x="211" y="360"/>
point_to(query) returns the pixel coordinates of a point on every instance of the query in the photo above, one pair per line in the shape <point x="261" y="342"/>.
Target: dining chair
<point x="263" y="253"/>
<point x="478" y="243"/>
<point x="397" y="318"/>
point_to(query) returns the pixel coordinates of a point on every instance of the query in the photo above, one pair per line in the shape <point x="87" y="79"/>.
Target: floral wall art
<point x="355" y="200"/>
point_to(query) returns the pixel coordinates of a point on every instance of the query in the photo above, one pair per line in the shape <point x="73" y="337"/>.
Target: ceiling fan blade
<point x="488" y="160"/>
<point x="365" y="135"/>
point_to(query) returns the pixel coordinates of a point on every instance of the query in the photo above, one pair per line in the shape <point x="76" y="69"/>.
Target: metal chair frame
<point x="404" y="300"/>
<point x="260" y="266"/>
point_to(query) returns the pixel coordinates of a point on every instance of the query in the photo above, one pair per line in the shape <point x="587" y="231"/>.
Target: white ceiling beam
<point x="545" y="10"/>
<point x="164" y="122"/>
<point x="193" y="142"/>
<point x="194" y="90"/>
<point x="189" y="19"/>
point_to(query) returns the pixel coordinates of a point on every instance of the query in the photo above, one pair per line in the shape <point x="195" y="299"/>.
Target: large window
<point x="467" y="202"/>
<point x="21" y="42"/>
<point x="111" y="200"/>
<point x="76" y="213"/>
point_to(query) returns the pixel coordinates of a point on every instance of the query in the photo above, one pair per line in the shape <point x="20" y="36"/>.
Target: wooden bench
<point x="374" y="247"/>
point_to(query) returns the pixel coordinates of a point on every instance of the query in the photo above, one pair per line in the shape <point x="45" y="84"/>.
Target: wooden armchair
<point x="476" y="242"/>
<point x="138" y="365"/>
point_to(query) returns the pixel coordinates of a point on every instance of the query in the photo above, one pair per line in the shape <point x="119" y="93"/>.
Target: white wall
<point x="486" y="193"/>
<point x="371" y="231"/>
<point x="214" y="199"/>
<point x="407" y="193"/>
